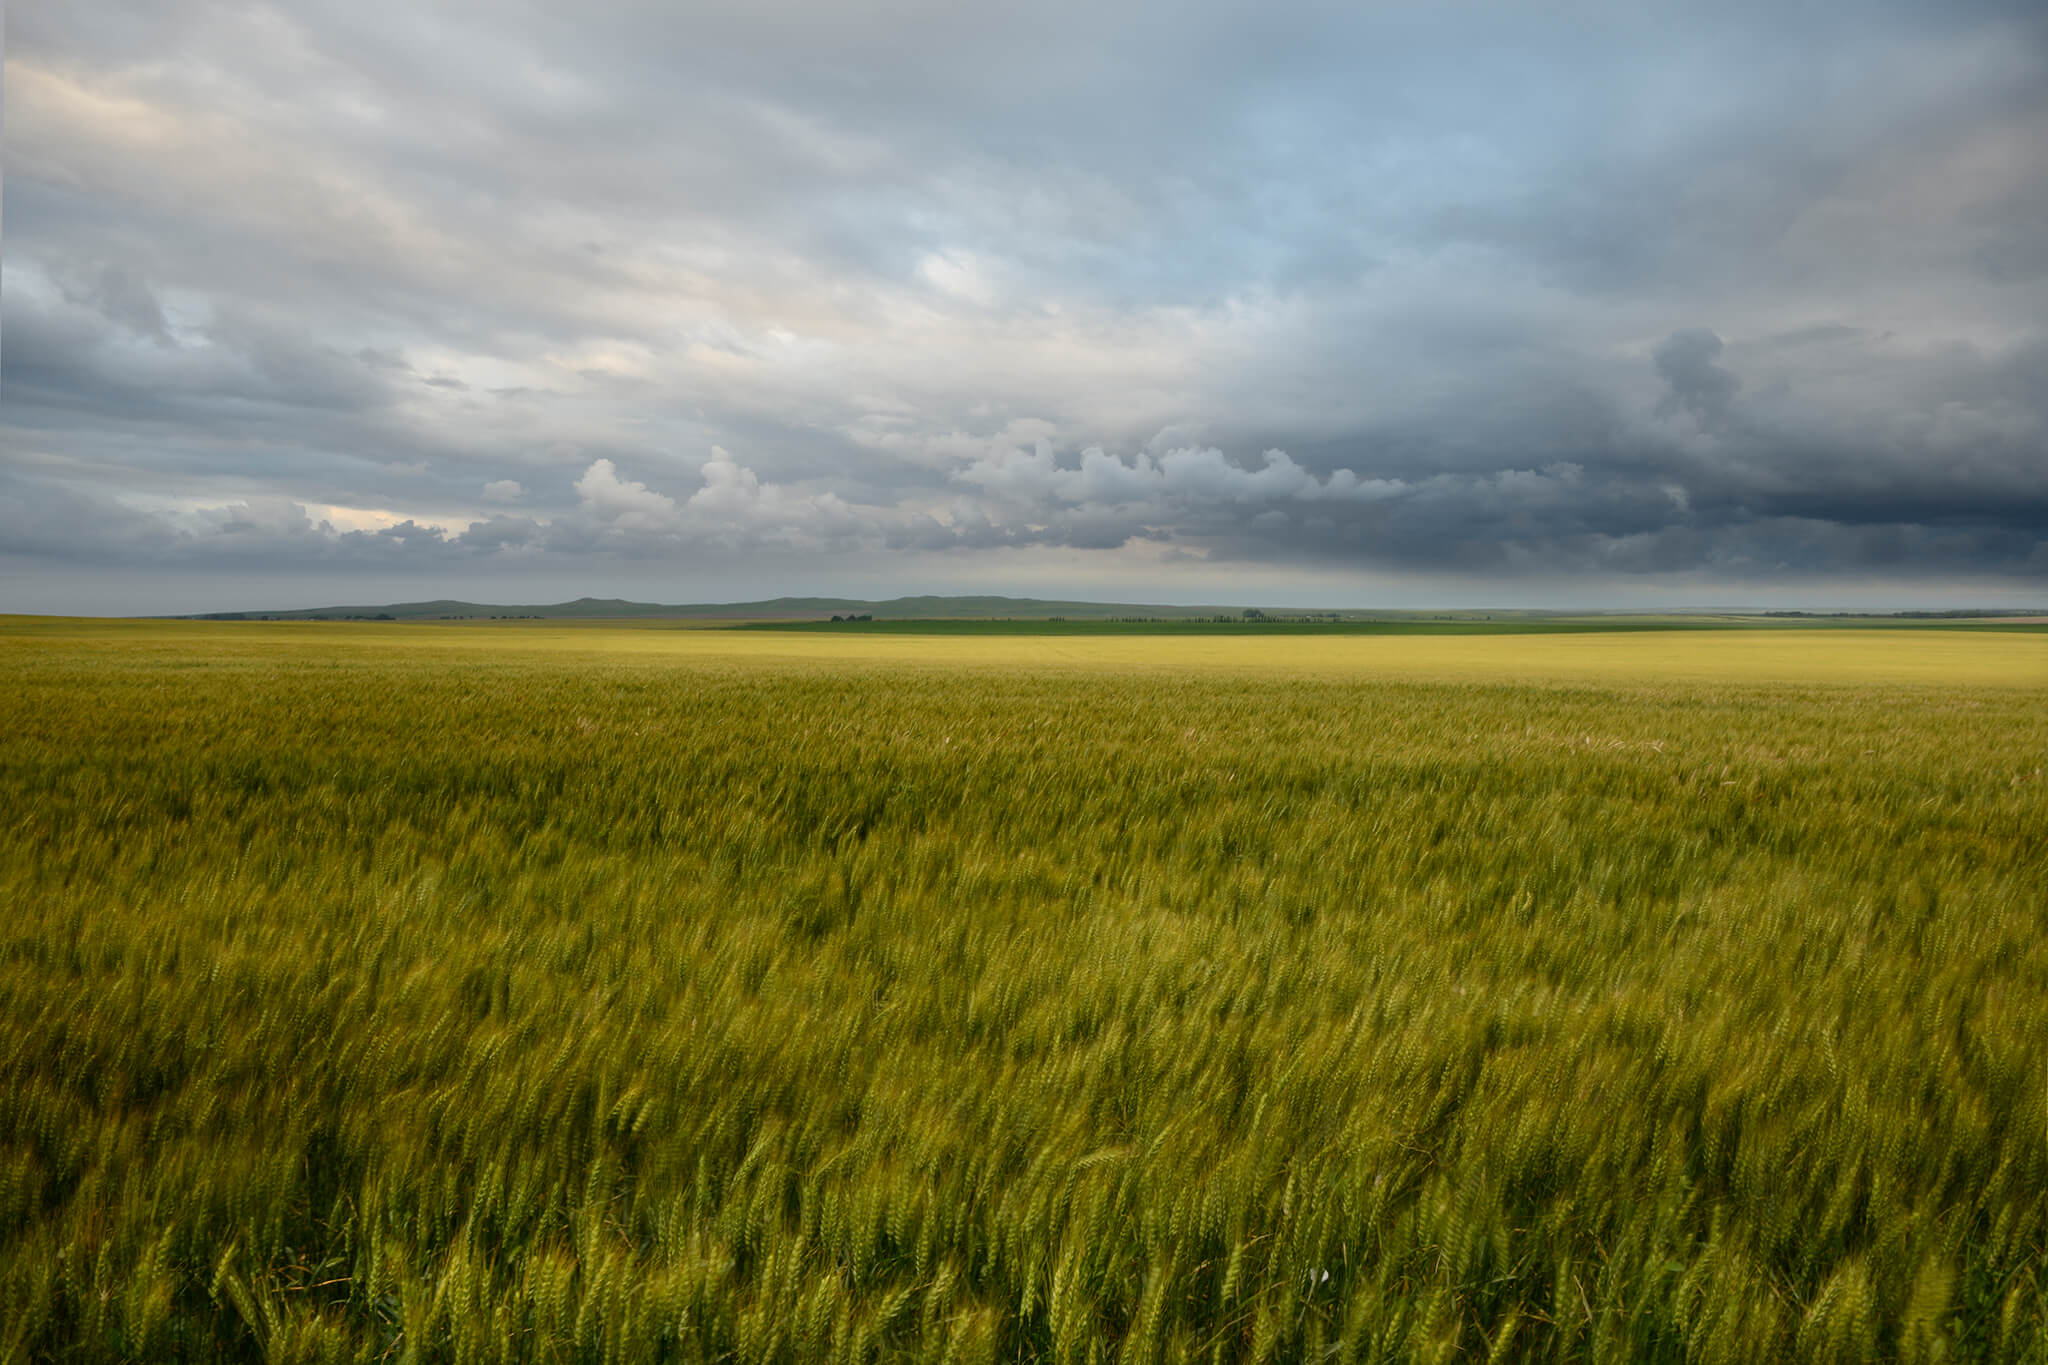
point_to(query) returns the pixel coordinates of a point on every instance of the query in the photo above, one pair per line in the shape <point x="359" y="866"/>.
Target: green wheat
<point x="411" y="996"/>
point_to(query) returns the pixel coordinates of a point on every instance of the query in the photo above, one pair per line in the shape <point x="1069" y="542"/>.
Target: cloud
<point x="1183" y="476"/>
<point x="128" y="301"/>
<point x="1685" y="361"/>
<point x="1370" y="290"/>
<point x="620" y="505"/>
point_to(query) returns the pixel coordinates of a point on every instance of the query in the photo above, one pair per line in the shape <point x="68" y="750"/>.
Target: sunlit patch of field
<point x="524" y="991"/>
<point x="1820" y="656"/>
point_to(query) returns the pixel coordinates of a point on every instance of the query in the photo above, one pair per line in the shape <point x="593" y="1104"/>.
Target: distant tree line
<point x="1959" y="614"/>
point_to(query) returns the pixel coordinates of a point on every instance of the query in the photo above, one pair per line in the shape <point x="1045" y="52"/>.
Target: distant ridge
<point x="933" y="608"/>
<point x="775" y="608"/>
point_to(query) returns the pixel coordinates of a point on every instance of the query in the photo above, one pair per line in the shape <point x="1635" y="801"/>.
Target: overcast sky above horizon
<point x="305" y="301"/>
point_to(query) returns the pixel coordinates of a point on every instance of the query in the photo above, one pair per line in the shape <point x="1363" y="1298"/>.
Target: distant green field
<point x="580" y="992"/>
<point x="1462" y="625"/>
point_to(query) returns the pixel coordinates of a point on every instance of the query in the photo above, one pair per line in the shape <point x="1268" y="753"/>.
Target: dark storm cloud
<point x="1727" y="293"/>
<point x="1685" y="361"/>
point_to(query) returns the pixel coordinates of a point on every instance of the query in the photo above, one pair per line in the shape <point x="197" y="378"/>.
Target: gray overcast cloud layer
<point x="311" y="301"/>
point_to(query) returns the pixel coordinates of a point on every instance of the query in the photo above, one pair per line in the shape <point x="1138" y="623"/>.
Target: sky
<point x="1287" y="303"/>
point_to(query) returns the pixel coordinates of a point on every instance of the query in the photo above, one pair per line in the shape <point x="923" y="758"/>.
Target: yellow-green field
<point x="613" y="993"/>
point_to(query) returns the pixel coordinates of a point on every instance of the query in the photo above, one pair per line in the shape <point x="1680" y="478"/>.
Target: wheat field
<point x="616" y="993"/>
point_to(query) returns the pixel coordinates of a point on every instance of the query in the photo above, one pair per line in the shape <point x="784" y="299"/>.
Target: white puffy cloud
<point x="735" y="504"/>
<point x="1185" y="475"/>
<point x="622" y="504"/>
<point x="733" y="509"/>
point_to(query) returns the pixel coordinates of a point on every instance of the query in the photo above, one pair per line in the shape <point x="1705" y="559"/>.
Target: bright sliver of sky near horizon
<point x="1590" y="304"/>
